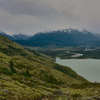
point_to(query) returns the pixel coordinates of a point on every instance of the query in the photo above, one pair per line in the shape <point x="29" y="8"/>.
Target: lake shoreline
<point x="88" y="68"/>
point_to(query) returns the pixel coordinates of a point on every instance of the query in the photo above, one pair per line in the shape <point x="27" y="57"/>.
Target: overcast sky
<point x="27" y="16"/>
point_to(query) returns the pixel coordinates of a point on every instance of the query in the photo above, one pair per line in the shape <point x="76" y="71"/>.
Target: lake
<point x="88" y="68"/>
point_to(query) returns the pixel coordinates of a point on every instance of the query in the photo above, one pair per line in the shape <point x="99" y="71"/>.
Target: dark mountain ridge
<point x="60" y="38"/>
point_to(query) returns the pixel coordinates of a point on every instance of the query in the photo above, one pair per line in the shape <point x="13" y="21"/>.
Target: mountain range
<point x="60" y="38"/>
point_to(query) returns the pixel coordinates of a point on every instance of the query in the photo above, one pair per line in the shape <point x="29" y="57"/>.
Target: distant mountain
<point x="6" y="35"/>
<point x="60" y="38"/>
<point x="70" y="37"/>
<point x="20" y="37"/>
<point x="16" y="37"/>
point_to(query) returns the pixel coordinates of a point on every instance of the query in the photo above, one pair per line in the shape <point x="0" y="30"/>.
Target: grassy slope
<point x="28" y="75"/>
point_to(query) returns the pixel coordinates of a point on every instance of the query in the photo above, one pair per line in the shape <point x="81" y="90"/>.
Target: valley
<point x="49" y="49"/>
<point x="69" y="52"/>
<point x="30" y="75"/>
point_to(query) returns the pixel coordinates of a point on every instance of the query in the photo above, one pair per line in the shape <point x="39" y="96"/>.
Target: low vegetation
<point x="27" y="75"/>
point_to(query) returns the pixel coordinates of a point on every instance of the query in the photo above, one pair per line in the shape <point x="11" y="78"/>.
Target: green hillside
<point x="26" y="75"/>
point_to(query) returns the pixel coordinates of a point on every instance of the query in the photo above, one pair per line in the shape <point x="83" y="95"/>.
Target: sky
<point x="32" y="16"/>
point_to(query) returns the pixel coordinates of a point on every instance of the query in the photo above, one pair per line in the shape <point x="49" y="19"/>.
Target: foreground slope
<point x="26" y="75"/>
